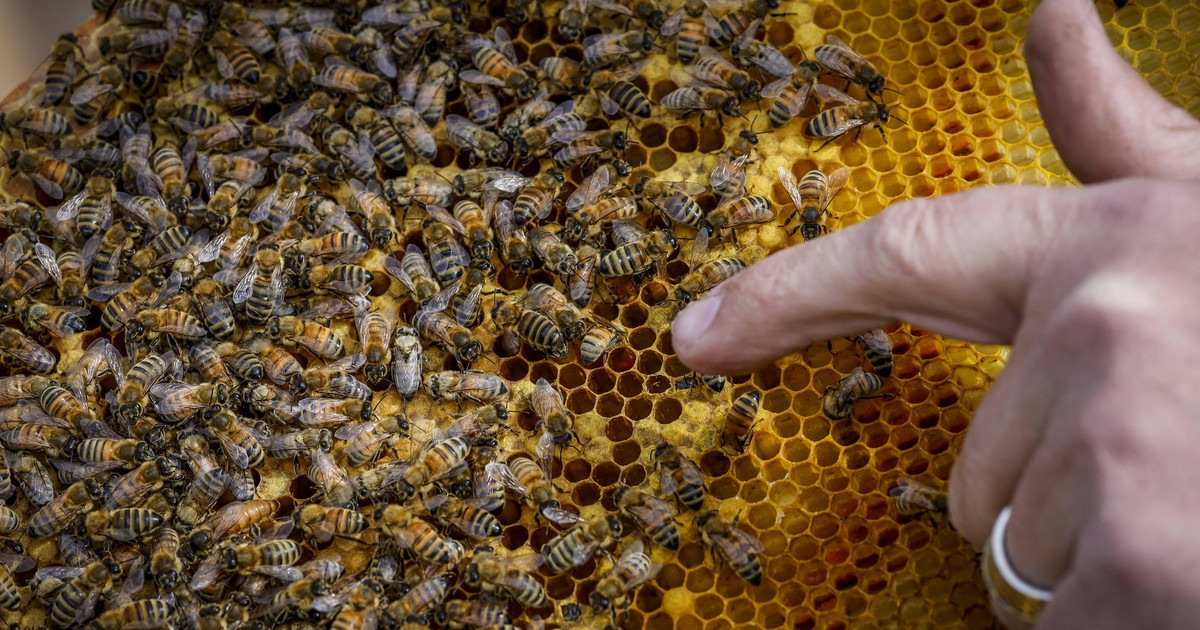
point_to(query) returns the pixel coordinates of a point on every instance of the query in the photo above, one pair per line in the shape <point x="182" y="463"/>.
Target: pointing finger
<point x="958" y="265"/>
<point x="1105" y="120"/>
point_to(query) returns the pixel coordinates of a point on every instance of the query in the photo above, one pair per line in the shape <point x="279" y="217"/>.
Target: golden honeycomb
<point x="815" y="491"/>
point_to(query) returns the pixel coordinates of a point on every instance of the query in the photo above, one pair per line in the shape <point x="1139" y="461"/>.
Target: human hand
<point x="1089" y="433"/>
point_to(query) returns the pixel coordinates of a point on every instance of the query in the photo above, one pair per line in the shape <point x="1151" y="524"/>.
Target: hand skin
<point x="1092" y="430"/>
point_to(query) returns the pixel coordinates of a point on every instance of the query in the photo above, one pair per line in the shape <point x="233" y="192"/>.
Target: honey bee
<point x="295" y="443"/>
<point x="383" y="136"/>
<point x="294" y="331"/>
<point x="736" y="212"/>
<point x="165" y="564"/>
<point x="532" y="482"/>
<point x="172" y="168"/>
<point x="95" y="93"/>
<point x="473" y="385"/>
<point x="407" y="361"/>
<point x="290" y="52"/>
<point x="187" y="41"/>
<point x="637" y="250"/>
<point x="242" y="445"/>
<point x="497" y="65"/>
<point x="369" y="437"/>
<point x="673" y="200"/>
<point x="124" y="300"/>
<point x="150" y="324"/>
<point x="359" y="611"/>
<point x="536" y="199"/>
<point x="51" y="171"/>
<point x="124" y="524"/>
<point x="462" y="613"/>
<point x="715" y="70"/>
<point x="348" y="79"/>
<point x="724" y="31"/>
<point x="95" y="450"/>
<point x="274" y="558"/>
<point x="850" y="114"/>
<point x="467" y="516"/>
<point x="322" y="524"/>
<point x="483" y="108"/>
<point x="410" y="532"/>
<point x="737" y="547"/>
<point x="180" y="399"/>
<point x="855" y="386"/>
<point x="331" y="478"/>
<point x="15" y="347"/>
<point x="689" y="24"/>
<point x="632" y="569"/>
<point x="231" y="518"/>
<point x="530" y="326"/>
<point x="56" y="515"/>
<point x="791" y="95"/>
<point x="201" y="496"/>
<point x="679" y="475"/>
<point x="58" y="75"/>
<point x="811" y="197"/>
<point x="913" y="498"/>
<point x="653" y="516"/>
<point x="56" y="321"/>
<point x="379" y="218"/>
<point x="468" y="136"/>
<point x="261" y="289"/>
<point x="555" y="255"/>
<point x="447" y="257"/>
<point x="214" y="310"/>
<point x="841" y="61"/>
<point x="355" y="152"/>
<point x="509" y="575"/>
<point x="576" y="546"/>
<point x="557" y="423"/>
<point x="248" y="366"/>
<point x="76" y="602"/>
<point x="298" y="594"/>
<point x="603" y="49"/>
<point x="564" y="73"/>
<point x="598" y="340"/>
<point x="414" y="131"/>
<point x="145" y="479"/>
<point x="728" y="176"/>
<point x="29" y="120"/>
<point x="233" y="59"/>
<point x="421" y="190"/>
<point x="690" y="99"/>
<point x="705" y="277"/>
<point x="877" y="345"/>
<point x="740" y="420"/>
<point x="144" y="613"/>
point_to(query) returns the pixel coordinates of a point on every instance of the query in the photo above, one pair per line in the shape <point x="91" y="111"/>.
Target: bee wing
<point x="48" y="260"/>
<point x="590" y="190"/>
<point x="212" y="249"/>
<point x="747" y="35"/>
<point x="475" y="76"/>
<point x="836" y="180"/>
<point x="49" y="187"/>
<point x="844" y="65"/>
<point x="545" y="453"/>
<point x="169" y="289"/>
<point x="353" y="430"/>
<point x="396" y="270"/>
<point x="773" y="62"/>
<point x="499" y="471"/>
<point x="625" y="233"/>
<point x="88" y="607"/>
<point x="442" y="215"/>
<point x="207" y="572"/>
<point x="775" y="88"/>
<point x="796" y="104"/>
<point x="504" y="44"/>
<point x="287" y="574"/>
<point x="829" y="94"/>
<point x="59" y="573"/>
<point x="469" y="304"/>
<point x="747" y="539"/>
<point x="233" y="450"/>
<point x="91" y="89"/>
<point x="246" y="285"/>
<point x="788" y="179"/>
<point x="263" y="209"/>
<point x="349" y="363"/>
<point x="70" y="208"/>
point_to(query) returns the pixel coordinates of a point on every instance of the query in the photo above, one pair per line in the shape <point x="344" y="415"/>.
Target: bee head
<point x="296" y="384"/>
<point x="375" y="372"/>
<point x="810" y="231"/>
<point x="599" y="602"/>
<point x="166" y="580"/>
<point x="876" y="85"/>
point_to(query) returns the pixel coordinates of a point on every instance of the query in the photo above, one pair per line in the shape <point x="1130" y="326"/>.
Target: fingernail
<point x="691" y="323"/>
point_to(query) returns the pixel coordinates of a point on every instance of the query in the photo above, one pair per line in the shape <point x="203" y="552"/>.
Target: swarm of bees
<point x="197" y="288"/>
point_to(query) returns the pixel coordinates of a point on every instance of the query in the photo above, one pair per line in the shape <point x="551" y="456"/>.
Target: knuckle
<point x="1118" y="555"/>
<point x="901" y="237"/>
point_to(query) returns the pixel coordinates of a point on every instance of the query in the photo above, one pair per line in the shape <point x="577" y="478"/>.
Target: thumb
<point x="959" y="265"/>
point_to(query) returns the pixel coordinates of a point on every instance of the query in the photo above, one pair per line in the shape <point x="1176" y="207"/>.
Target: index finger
<point x="959" y="265"/>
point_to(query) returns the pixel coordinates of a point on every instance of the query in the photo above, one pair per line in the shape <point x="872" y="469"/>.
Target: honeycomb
<point x="814" y="491"/>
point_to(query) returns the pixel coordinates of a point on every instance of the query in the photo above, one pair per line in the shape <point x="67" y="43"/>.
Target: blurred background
<point x="27" y="30"/>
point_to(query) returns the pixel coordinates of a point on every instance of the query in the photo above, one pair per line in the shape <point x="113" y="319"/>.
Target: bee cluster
<point x="340" y="313"/>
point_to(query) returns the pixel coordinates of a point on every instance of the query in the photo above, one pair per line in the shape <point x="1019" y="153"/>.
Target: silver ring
<point x="1011" y="592"/>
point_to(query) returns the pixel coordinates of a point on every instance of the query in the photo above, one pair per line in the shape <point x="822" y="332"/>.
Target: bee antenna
<point x="888" y="89"/>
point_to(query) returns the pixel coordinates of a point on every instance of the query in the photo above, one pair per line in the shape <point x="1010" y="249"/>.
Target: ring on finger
<point x="1010" y="591"/>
